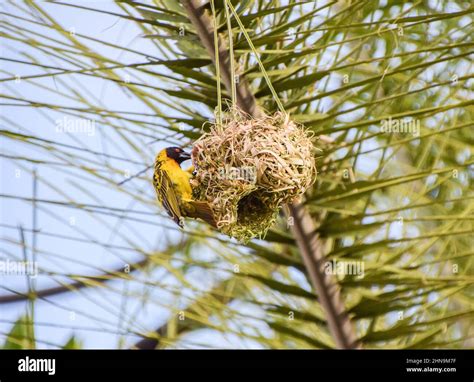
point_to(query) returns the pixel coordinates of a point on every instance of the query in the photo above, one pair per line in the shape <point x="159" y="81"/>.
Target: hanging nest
<point x="248" y="168"/>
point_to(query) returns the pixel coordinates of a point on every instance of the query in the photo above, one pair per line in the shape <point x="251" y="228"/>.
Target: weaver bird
<point x="173" y="189"/>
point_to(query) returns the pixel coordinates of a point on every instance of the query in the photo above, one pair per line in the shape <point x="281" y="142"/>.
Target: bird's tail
<point x="201" y="210"/>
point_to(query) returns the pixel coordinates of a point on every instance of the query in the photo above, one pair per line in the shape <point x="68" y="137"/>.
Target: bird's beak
<point x="184" y="156"/>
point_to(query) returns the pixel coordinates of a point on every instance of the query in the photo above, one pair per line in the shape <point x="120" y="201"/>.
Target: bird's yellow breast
<point x="179" y="177"/>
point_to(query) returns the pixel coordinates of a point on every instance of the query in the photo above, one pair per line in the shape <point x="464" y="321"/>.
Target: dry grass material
<point x="247" y="169"/>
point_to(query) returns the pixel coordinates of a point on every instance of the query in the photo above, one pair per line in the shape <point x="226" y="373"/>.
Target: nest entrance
<point x="249" y="208"/>
<point x="247" y="169"/>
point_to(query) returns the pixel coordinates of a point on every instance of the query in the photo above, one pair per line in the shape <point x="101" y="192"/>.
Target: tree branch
<point x="203" y="23"/>
<point x="304" y="228"/>
<point x="53" y="291"/>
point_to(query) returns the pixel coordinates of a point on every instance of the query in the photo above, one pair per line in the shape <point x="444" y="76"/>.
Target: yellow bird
<point x="173" y="189"/>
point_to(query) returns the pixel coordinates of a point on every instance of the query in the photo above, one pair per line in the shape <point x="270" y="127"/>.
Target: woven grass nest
<point x="248" y="168"/>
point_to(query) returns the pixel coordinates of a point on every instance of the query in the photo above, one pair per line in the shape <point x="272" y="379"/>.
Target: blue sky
<point x="98" y="309"/>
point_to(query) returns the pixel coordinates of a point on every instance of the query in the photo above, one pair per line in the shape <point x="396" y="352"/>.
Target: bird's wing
<point x="167" y="195"/>
<point x="200" y="210"/>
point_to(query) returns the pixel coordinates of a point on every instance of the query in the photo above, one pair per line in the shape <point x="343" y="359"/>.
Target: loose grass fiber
<point x="248" y="168"/>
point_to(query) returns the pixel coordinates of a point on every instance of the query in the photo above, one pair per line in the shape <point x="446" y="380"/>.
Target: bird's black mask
<point x="178" y="154"/>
